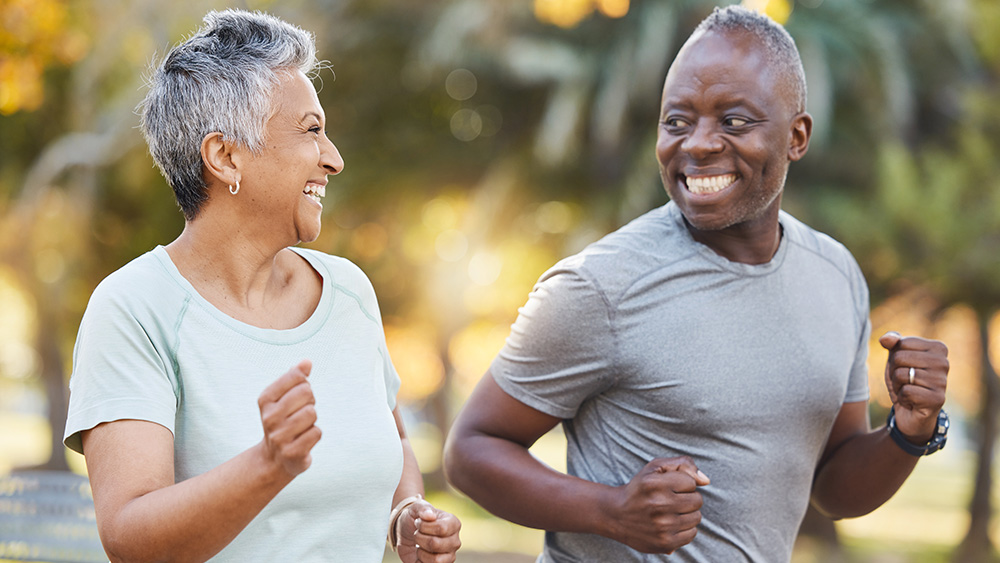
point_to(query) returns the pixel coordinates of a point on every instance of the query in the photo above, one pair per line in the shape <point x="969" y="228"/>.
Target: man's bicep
<point x="491" y="411"/>
<point x="562" y="348"/>
<point x="852" y="420"/>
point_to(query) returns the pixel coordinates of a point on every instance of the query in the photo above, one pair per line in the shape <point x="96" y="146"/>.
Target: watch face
<point x="943" y="424"/>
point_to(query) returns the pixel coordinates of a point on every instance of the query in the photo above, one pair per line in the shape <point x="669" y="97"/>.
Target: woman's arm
<point x="423" y="533"/>
<point x="412" y="481"/>
<point x="143" y="515"/>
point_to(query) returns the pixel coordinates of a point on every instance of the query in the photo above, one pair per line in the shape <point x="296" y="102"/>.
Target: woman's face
<point x="287" y="180"/>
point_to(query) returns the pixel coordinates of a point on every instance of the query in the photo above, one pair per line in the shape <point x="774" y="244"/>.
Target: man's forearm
<point x="861" y="475"/>
<point x="507" y="480"/>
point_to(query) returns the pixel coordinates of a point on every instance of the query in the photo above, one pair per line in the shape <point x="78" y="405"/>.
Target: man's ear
<point x="217" y="155"/>
<point x="801" y="130"/>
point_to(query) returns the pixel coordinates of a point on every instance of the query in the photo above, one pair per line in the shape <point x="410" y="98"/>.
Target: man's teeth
<point x="709" y="184"/>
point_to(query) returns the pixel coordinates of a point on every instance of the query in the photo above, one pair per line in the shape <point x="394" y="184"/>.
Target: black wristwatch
<point x="936" y="442"/>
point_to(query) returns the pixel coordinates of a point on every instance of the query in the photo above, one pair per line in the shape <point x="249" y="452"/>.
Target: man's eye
<point x="736" y="121"/>
<point x="674" y="122"/>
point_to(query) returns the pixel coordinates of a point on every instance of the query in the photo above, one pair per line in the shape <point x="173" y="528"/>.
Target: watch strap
<point x="936" y="442"/>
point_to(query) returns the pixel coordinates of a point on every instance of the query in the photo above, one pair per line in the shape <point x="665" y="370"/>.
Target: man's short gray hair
<point x="219" y="80"/>
<point x="779" y="44"/>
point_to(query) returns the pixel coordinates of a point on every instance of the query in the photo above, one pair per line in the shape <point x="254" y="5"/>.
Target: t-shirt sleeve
<point x="561" y="348"/>
<point x="370" y="305"/>
<point x="857" y="385"/>
<point x="121" y="367"/>
<point x="392" y="381"/>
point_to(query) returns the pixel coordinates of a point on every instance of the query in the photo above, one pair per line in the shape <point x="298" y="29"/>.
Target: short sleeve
<point x="561" y="348"/>
<point x="857" y="385"/>
<point x="121" y="366"/>
<point x="392" y="381"/>
<point x="369" y="304"/>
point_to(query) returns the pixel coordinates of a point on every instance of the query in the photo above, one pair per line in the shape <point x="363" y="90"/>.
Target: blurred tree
<point x="68" y="210"/>
<point x="933" y="219"/>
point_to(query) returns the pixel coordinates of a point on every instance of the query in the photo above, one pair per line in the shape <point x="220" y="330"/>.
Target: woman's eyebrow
<point x="309" y="114"/>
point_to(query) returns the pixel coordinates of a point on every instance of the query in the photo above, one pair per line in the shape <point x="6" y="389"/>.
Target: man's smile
<point x="708" y="184"/>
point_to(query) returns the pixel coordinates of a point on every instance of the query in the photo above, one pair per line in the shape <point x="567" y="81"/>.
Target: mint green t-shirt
<point x="151" y="348"/>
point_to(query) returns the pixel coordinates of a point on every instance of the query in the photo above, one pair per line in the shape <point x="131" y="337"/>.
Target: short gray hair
<point x="219" y="80"/>
<point x="777" y="41"/>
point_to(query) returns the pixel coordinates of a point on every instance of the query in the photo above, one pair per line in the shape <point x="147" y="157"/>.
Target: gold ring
<point x="911" y="376"/>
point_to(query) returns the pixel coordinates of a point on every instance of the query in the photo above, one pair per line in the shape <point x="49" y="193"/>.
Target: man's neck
<point x="753" y="242"/>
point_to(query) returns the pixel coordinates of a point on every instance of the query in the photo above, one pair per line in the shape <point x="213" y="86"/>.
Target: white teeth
<point x="709" y="184"/>
<point x="315" y="191"/>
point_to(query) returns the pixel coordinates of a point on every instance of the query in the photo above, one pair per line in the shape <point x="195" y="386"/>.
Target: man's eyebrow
<point x="723" y="104"/>
<point x="677" y="103"/>
<point x="744" y="103"/>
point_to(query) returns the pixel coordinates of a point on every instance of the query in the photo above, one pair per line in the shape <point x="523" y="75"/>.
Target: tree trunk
<point x="54" y="376"/>
<point x="977" y="546"/>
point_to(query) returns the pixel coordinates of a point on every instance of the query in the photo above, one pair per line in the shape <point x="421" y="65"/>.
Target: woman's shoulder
<point x="143" y="284"/>
<point x="341" y="270"/>
<point x="343" y="277"/>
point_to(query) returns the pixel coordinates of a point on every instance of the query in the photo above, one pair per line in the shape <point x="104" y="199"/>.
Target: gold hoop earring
<point x="237" y="190"/>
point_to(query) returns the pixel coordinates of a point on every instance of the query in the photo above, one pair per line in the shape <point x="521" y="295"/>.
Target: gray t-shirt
<point x="151" y="348"/>
<point x="650" y="345"/>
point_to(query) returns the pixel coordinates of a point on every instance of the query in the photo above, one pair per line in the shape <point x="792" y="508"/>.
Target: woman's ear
<point x="217" y="155"/>
<point x="801" y="130"/>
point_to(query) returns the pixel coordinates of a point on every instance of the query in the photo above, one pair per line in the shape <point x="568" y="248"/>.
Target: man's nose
<point x="704" y="139"/>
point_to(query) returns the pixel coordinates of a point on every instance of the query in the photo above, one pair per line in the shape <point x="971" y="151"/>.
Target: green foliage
<point x="933" y="216"/>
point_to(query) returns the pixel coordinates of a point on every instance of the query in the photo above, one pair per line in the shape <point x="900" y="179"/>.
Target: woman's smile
<point x="315" y="191"/>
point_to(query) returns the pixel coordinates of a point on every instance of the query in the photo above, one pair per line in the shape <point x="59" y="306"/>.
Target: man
<point x="708" y="360"/>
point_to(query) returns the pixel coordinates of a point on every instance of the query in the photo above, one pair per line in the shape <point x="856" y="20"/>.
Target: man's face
<point x="728" y="128"/>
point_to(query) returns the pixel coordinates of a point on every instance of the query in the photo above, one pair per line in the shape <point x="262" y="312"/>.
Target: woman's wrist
<point x="395" y="515"/>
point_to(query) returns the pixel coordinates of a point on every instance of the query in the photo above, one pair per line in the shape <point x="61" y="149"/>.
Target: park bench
<point x="48" y="516"/>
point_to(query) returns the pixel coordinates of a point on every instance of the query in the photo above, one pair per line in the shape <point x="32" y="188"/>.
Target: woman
<point x="197" y="446"/>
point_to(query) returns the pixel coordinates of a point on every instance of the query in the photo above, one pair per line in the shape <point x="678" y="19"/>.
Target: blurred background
<point x="486" y="139"/>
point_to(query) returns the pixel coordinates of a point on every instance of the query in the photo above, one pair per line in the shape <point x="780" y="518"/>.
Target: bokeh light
<point x="472" y="350"/>
<point x="461" y="84"/>
<point x="451" y="245"/>
<point x="414" y="353"/>
<point x="777" y="10"/>
<point x="466" y="124"/>
<point x="18" y="359"/>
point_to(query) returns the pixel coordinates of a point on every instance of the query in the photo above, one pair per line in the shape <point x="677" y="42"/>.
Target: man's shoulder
<point x="649" y="242"/>
<point x="819" y="244"/>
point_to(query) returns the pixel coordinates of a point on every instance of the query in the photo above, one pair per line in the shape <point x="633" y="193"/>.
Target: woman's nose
<point x="330" y="158"/>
